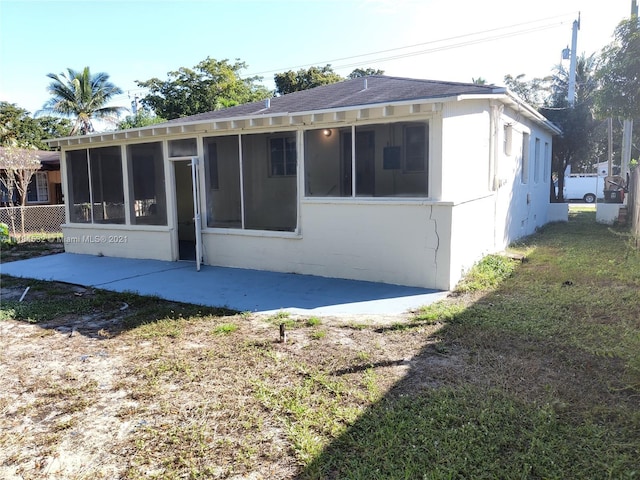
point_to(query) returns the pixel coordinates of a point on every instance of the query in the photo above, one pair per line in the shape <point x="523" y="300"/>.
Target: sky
<point x="431" y="39"/>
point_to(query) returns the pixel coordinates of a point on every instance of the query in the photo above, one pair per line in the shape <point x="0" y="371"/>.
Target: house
<point x="379" y="178"/>
<point x="45" y="187"/>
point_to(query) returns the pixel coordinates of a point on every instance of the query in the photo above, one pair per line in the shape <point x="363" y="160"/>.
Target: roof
<point x="48" y="160"/>
<point x="375" y="91"/>
<point x="371" y="90"/>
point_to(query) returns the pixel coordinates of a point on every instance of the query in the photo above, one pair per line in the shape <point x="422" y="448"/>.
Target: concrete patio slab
<point x="238" y="289"/>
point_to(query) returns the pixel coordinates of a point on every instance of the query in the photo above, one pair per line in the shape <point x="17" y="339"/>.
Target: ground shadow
<point x="479" y="401"/>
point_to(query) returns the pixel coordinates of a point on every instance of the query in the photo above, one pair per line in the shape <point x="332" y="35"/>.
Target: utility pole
<point x="572" y="65"/>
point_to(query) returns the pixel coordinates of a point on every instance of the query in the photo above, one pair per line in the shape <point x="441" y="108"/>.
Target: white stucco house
<point x="385" y="179"/>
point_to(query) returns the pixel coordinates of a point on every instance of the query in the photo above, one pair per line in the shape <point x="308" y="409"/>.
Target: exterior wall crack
<point x="435" y="229"/>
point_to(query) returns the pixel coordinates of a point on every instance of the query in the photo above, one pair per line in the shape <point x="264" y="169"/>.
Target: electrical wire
<point x="132" y="92"/>
<point x="422" y="52"/>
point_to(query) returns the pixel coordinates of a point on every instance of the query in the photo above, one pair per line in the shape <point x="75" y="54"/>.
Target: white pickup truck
<point x="583" y="186"/>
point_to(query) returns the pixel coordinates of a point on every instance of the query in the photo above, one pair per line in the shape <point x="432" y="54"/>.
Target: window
<point x="547" y="162"/>
<point x="536" y="162"/>
<point x="524" y="171"/>
<point x="391" y="160"/>
<point x="269" y="181"/>
<point x="146" y="178"/>
<point x="365" y="163"/>
<point x="38" y="189"/>
<point x="222" y="182"/>
<point x="282" y="156"/>
<point x="508" y="139"/>
<point x="183" y="148"/>
<point x="96" y="193"/>
<point x="415" y="148"/>
<point x="78" y="186"/>
<point x="106" y="185"/>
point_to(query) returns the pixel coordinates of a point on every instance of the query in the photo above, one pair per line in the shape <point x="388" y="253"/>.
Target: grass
<point x="551" y="382"/>
<point x="530" y="370"/>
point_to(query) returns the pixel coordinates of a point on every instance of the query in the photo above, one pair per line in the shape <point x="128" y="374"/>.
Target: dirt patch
<point x="87" y="396"/>
<point x="25" y="250"/>
<point x="132" y="388"/>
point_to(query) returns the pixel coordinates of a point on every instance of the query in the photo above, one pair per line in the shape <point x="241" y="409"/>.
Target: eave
<point x="264" y="121"/>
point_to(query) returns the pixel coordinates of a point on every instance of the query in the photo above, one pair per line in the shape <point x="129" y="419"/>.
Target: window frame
<point x="41" y="186"/>
<point x="524" y="162"/>
<point x="283" y="138"/>
<point x="424" y="128"/>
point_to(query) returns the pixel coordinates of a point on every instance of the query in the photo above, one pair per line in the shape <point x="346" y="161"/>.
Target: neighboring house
<point x="383" y="179"/>
<point x="45" y="187"/>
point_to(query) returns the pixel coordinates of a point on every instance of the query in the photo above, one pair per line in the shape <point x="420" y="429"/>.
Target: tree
<point x="359" y="72"/>
<point x="141" y="119"/>
<point x="19" y="129"/>
<point x="618" y="77"/>
<point x="478" y="81"/>
<point x="576" y="146"/>
<point x="210" y="85"/>
<point x="289" y="82"/>
<point x="618" y="73"/>
<point x="17" y="167"/>
<point x="83" y="97"/>
<point x="534" y="91"/>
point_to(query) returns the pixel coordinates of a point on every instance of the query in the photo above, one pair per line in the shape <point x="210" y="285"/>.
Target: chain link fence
<point x="24" y="222"/>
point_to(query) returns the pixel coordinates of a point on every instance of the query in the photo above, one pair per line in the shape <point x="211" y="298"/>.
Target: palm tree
<point x="586" y="83"/>
<point x="82" y="97"/>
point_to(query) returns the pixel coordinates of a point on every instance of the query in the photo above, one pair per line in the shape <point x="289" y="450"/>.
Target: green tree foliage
<point x="210" y="85"/>
<point x="619" y="73"/>
<point x="576" y="146"/>
<point x="83" y="97"/>
<point x="534" y="91"/>
<point x="365" y="72"/>
<point x="19" y="129"/>
<point x="140" y="119"/>
<point x="289" y="82"/>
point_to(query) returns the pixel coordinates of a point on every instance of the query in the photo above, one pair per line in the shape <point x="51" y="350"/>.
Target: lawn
<point x="529" y="370"/>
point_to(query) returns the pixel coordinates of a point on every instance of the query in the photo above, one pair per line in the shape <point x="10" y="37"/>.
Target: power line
<point x="456" y="45"/>
<point x="422" y="52"/>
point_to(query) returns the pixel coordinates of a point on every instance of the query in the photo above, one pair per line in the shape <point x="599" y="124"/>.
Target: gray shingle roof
<point x="349" y="93"/>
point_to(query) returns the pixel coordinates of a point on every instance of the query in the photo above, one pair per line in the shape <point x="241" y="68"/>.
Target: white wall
<point x="525" y="205"/>
<point x="465" y="150"/>
<point x="489" y="215"/>
<point x="472" y="235"/>
<point x="119" y="241"/>
<point x="393" y="242"/>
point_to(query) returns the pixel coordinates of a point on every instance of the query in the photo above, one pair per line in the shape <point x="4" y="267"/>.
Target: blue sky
<point x="140" y="39"/>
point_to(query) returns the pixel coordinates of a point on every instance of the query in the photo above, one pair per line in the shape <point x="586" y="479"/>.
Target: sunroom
<point x="245" y="182"/>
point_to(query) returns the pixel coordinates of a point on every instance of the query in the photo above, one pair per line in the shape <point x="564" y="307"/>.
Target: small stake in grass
<point x="283" y="334"/>
<point x="24" y="293"/>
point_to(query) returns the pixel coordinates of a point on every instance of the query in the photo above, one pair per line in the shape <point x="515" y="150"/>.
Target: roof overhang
<point x="263" y="120"/>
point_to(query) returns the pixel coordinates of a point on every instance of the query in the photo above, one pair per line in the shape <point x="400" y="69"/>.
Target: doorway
<point x="184" y="211"/>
